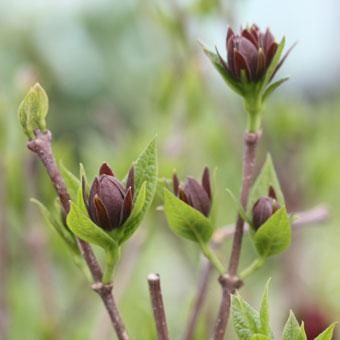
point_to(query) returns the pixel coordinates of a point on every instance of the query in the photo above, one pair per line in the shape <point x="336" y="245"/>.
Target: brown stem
<point x="230" y="282"/>
<point x="158" y="306"/>
<point x="42" y="147"/>
<point x="105" y="292"/>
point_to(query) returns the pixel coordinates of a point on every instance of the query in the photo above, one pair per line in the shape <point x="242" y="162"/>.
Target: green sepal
<point x="327" y="334"/>
<point x="125" y="231"/>
<point x="33" y="110"/>
<point x="272" y="87"/>
<point x="274" y="236"/>
<point x="186" y="221"/>
<point x="274" y="63"/>
<point x="227" y="77"/>
<point x="293" y="330"/>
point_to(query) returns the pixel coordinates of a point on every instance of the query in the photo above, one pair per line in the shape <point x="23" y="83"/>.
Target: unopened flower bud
<point x="110" y="203"/>
<point x="264" y="208"/>
<point x="197" y="195"/>
<point x="252" y="51"/>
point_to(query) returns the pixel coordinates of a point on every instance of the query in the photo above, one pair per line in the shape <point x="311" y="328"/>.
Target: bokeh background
<point x="119" y="72"/>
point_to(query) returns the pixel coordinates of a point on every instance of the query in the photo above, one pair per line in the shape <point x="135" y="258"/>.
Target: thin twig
<point x="230" y="281"/>
<point x="42" y="147"/>
<point x="158" y="306"/>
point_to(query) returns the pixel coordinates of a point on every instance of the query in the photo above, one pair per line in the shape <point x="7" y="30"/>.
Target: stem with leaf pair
<point x="230" y="282"/>
<point x="42" y="147"/>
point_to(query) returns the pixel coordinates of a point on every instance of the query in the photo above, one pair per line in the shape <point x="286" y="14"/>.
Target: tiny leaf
<point x="246" y="319"/>
<point x="264" y="313"/>
<point x="327" y="334"/>
<point x="33" y="110"/>
<point x="72" y="182"/>
<point x="274" y="236"/>
<point x="186" y="221"/>
<point x="292" y="329"/>
<point x="260" y="337"/>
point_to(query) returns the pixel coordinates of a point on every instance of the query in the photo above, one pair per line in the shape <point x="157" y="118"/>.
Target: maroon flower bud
<point x="109" y="203"/>
<point x="195" y="194"/>
<point x="252" y="51"/>
<point x="264" y="208"/>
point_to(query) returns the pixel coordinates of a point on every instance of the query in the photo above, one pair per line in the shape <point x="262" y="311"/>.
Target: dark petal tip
<point x="271" y="192"/>
<point x="130" y="183"/>
<point x="102" y="218"/>
<point x="175" y="183"/>
<point x="206" y="181"/>
<point x="127" y="206"/>
<point x="105" y="170"/>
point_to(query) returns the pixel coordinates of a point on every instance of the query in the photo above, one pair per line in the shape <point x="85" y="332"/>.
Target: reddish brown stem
<point x="41" y="145"/>
<point x="230" y="282"/>
<point x="158" y="306"/>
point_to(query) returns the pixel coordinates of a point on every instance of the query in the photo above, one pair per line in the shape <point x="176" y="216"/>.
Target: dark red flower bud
<point x="252" y="51"/>
<point x="195" y="194"/>
<point x="264" y="208"/>
<point x="109" y="203"/>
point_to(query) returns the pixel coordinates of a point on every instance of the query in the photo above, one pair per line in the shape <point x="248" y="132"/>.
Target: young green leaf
<point x="274" y="236"/>
<point x="55" y="223"/>
<point x="146" y="169"/>
<point x="264" y="313"/>
<point x="327" y="334"/>
<point x="246" y="319"/>
<point x="264" y="181"/>
<point x="292" y="329"/>
<point x="186" y="221"/>
<point x="271" y="88"/>
<point x="33" y="110"/>
<point x="86" y="230"/>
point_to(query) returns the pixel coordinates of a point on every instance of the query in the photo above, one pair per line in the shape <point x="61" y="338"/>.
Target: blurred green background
<point x="119" y="72"/>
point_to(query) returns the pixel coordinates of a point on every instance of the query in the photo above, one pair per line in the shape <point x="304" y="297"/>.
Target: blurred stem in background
<point x="36" y="241"/>
<point x="4" y="256"/>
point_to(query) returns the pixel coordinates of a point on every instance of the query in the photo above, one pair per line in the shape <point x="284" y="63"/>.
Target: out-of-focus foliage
<point x="116" y="73"/>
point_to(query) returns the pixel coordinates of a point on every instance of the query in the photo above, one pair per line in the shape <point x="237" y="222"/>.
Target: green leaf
<point x="53" y="221"/>
<point x="265" y="179"/>
<point x="246" y="319"/>
<point x="33" y="110"/>
<point x="292" y="329"/>
<point x="274" y="236"/>
<point x="275" y="61"/>
<point x="327" y="334"/>
<point x="124" y="232"/>
<point x="146" y="170"/>
<point x="264" y="313"/>
<point x="186" y="221"/>
<point x="86" y="230"/>
<point x="215" y="60"/>
<point x="271" y="88"/>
